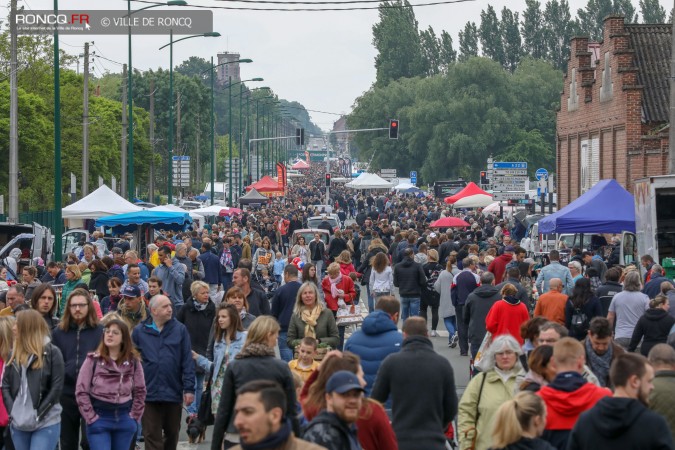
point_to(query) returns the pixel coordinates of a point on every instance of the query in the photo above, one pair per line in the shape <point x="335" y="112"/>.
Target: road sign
<point x="413" y="177"/>
<point x="508" y="179"/>
<point x="180" y="158"/>
<point x="509" y="165"/>
<point x="513" y="172"/>
<point x="541" y="174"/>
<point x="503" y="196"/>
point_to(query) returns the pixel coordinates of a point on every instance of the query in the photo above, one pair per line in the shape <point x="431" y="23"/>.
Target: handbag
<point x="24" y="416"/>
<point x="474" y="430"/>
<point x="351" y="315"/>
<point x="479" y="360"/>
<point x="205" y="413"/>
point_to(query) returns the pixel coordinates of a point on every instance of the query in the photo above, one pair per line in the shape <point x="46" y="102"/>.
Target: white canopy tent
<point x="404" y="184"/>
<point x="209" y="211"/>
<point x="103" y="202"/>
<point x="174" y="208"/>
<point x="474" y="201"/>
<point x="369" y="181"/>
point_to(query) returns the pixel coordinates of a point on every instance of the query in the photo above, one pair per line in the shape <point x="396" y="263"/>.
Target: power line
<point x="361" y="8"/>
<point x="103" y="57"/>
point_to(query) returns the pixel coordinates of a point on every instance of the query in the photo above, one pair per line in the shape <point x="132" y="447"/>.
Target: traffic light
<point x="393" y="129"/>
<point x="327" y="180"/>
<point x="299" y="136"/>
<point x="483" y="178"/>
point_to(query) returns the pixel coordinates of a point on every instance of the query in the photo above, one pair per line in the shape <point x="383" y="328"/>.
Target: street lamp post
<point x="171" y="105"/>
<point x="229" y="95"/>
<point x="213" y="122"/>
<point x="57" y="145"/>
<point x="130" y="140"/>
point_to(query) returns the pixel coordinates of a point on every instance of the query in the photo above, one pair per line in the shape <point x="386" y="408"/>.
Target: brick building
<point x="231" y="69"/>
<point x="613" y="117"/>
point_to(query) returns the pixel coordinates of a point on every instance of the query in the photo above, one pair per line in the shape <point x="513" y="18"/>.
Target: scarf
<point x="599" y="364"/>
<point x="199" y="306"/>
<point x="333" y="285"/>
<point x="243" y="313"/>
<point x="226" y="260"/>
<point x="252" y="350"/>
<point x="310" y="316"/>
<point x="274" y="440"/>
<point x="511" y="300"/>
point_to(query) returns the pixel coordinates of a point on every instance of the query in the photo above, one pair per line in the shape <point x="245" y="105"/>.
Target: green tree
<point x="491" y="36"/>
<point x="197" y="67"/>
<point x="511" y="39"/>
<point x="591" y="17"/>
<point x="558" y="29"/>
<point x="468" y="41"/>
<point x="532" y="30"/>
<point x="448" y="53"/>
<point x="397" y="41"/>
<point x="431" y="50"/>
<point x="652" y="11"/>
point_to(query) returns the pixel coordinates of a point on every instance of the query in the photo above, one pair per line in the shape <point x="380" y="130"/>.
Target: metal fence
<point x="44" y="218"/>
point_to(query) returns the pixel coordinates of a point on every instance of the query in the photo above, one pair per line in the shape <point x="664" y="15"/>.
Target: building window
<point x="589" y="163"/>
<point x="607" y="85"/>
<point x="573" y="99"/>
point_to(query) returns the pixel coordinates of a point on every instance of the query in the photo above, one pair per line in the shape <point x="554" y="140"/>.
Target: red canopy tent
<point x="470" y="189"/>
<point x="300" y="165"/>
<point x="267" y="186"/>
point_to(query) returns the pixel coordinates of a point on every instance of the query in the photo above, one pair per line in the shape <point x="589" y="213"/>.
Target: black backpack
<point x="580" y="323"/>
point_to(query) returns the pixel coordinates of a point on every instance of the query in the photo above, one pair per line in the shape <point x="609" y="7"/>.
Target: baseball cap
<point x="509" y="248"/>
<point x="130" y="291"/>
<point x="343" y="381"/>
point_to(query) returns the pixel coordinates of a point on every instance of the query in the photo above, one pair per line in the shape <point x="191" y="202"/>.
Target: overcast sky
<point x="323" y="60"/>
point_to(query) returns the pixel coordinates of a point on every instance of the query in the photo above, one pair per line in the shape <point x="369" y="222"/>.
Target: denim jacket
<point x="554" y="270"/>
<point x="219" y="349"/>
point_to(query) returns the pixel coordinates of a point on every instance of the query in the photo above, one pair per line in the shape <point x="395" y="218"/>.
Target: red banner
<point x="281" y="176"/>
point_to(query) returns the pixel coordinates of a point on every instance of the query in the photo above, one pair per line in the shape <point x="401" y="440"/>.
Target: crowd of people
<point x="280" y="343"/>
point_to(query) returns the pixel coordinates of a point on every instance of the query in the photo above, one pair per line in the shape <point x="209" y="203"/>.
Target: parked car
<point x="333" y="220"/>
<point x="34" y="240"/>
<point x="308" y="234"/>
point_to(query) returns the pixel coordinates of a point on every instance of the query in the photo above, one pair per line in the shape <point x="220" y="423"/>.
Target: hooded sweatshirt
<point x="506" y="317"/>
<point x="620" y="423"/>
<point x="566" y="398"/>
<point x="654" y="327"/>
<point x="477" y="307"/>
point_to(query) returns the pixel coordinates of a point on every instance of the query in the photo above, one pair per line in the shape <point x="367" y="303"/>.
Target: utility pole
<point x="178" y="146"/>
<point x="671" y="131"/>
<point x="85" y="124"/>
<point x="198" y="160"/>
<point x="13" y="120"/>
<point x="151" y="188"/>
<point x="123" y="181"/>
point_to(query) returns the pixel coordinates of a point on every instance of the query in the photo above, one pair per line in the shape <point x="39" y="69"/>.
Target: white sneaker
<point x="433" y="333"/>
<point x="454" y="341"/>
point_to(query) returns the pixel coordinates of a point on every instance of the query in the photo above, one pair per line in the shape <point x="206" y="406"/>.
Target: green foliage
<point x="448" y="53"/>
<point x="590" y="18"/>
<point x="468" y="41"/>
<point x="300" y="115"/>
<point x="511" y="39"/>
<point x="652" y="11"/>
<point x="558" y="29"/>
<point x="451" y="123"/>
<point x="491" y="36"/>
<point x="532" y="30"/>
<point x="396" y="38"/>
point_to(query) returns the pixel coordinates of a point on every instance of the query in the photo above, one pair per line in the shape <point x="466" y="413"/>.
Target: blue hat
<point x="343" y="381"/>
<point x="130" y="291"/>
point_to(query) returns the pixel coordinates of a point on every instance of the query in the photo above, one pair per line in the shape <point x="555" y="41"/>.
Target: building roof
<point x="652" y="45"/>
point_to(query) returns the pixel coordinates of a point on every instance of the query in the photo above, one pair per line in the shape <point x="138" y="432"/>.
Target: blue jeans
<point x="199" y="388"/>
<point x="43" y="439"/>
<point x="410" y="306"/>
<point x="113" y="430"/>
<point x="227" y="281"/>
<point x="450" y="325"/>
<point x="284" y="350"/>
<point x="372" y="299"/>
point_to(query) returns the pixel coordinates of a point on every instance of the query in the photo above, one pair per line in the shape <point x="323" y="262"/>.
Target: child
<point x="279" y="265"/>
<point x="357" y="288"/>
<point x="305" y="364"/>
<point x="298" y="383"/>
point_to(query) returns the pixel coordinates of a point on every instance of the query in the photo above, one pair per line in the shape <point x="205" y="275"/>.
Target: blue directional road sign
<point x="541" y="174"/>
<point x="509" y="165"/>
<point x="413" y="177"/>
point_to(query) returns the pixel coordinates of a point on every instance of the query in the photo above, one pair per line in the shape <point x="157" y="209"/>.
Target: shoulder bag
<point x="473" y="431"/>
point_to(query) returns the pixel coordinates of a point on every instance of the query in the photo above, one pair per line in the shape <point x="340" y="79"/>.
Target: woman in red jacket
<point x="507" y="315"/>
<point x="374" y="431"/>
<point x="337" y="289"/>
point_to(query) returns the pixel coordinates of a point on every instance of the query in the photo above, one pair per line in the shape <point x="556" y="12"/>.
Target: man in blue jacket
<point x="211" y="269"/>
<point x="164" y="344"/>
<point x="283" y="304"/>
<point x="378" y="337"/>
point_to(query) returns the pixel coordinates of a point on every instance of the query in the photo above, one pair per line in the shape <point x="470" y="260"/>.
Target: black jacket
<point x="476" y="309"/>
<point x="45" y="385"/>
<point x="620" y="423"/>
<point x="606" y="293"/>
<point x="258" y="305"/>
<point x="327" y="430"/>
<point x="527" y="444"/>
<point x="74" y="345"/>
<point x="522" y="293"/>
<point x="337" y="246"/>
<point x="316" y="250"/>
<point x="255" y="362"/>
<point x="422" y="411"/>
<point x="654" y="326"/>
<point x="99" y="283"/>
<point x="198" y="325"/>
<point x="409" y="278"/>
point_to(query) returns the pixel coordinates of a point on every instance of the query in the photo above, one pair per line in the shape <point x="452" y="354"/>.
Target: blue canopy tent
<point x="606" y="208"/>
<point x="129" y="222"/>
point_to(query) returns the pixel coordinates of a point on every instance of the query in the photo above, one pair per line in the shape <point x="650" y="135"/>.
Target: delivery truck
<point x="655" y="216"/>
